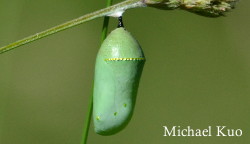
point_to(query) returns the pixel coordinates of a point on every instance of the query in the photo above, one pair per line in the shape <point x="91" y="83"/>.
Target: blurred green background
<point x="197" y="73"/>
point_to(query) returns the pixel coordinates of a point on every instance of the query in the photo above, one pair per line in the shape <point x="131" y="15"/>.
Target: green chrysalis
<point x="118" y="69"/>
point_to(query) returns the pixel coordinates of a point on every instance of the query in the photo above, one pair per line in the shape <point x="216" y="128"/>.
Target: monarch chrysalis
<point x="118" y="69"/>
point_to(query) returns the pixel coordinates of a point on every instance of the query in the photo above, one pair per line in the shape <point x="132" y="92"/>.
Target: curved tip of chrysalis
<point x="108" y="131"/>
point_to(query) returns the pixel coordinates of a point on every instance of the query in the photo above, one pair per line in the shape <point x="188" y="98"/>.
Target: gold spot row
<point x="124" y="59"/>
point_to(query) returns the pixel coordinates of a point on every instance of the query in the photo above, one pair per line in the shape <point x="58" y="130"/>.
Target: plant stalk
<point x="90" y="106"/>
<point x="211" y="8"/>
<point x="100" y="13"/>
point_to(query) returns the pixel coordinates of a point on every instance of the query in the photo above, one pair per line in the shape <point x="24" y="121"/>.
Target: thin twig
<point x="211" y="8"/>
<point x="100" y="13"/>
<point x="90" y="107"/>
<point x="87" y="121"/>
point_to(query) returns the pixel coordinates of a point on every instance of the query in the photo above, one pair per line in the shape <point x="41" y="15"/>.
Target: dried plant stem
<point x="100" y="13"/>
<point x="212" y="8"/>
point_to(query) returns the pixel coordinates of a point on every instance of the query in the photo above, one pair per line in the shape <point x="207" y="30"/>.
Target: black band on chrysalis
<point x="120" y="23"/>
